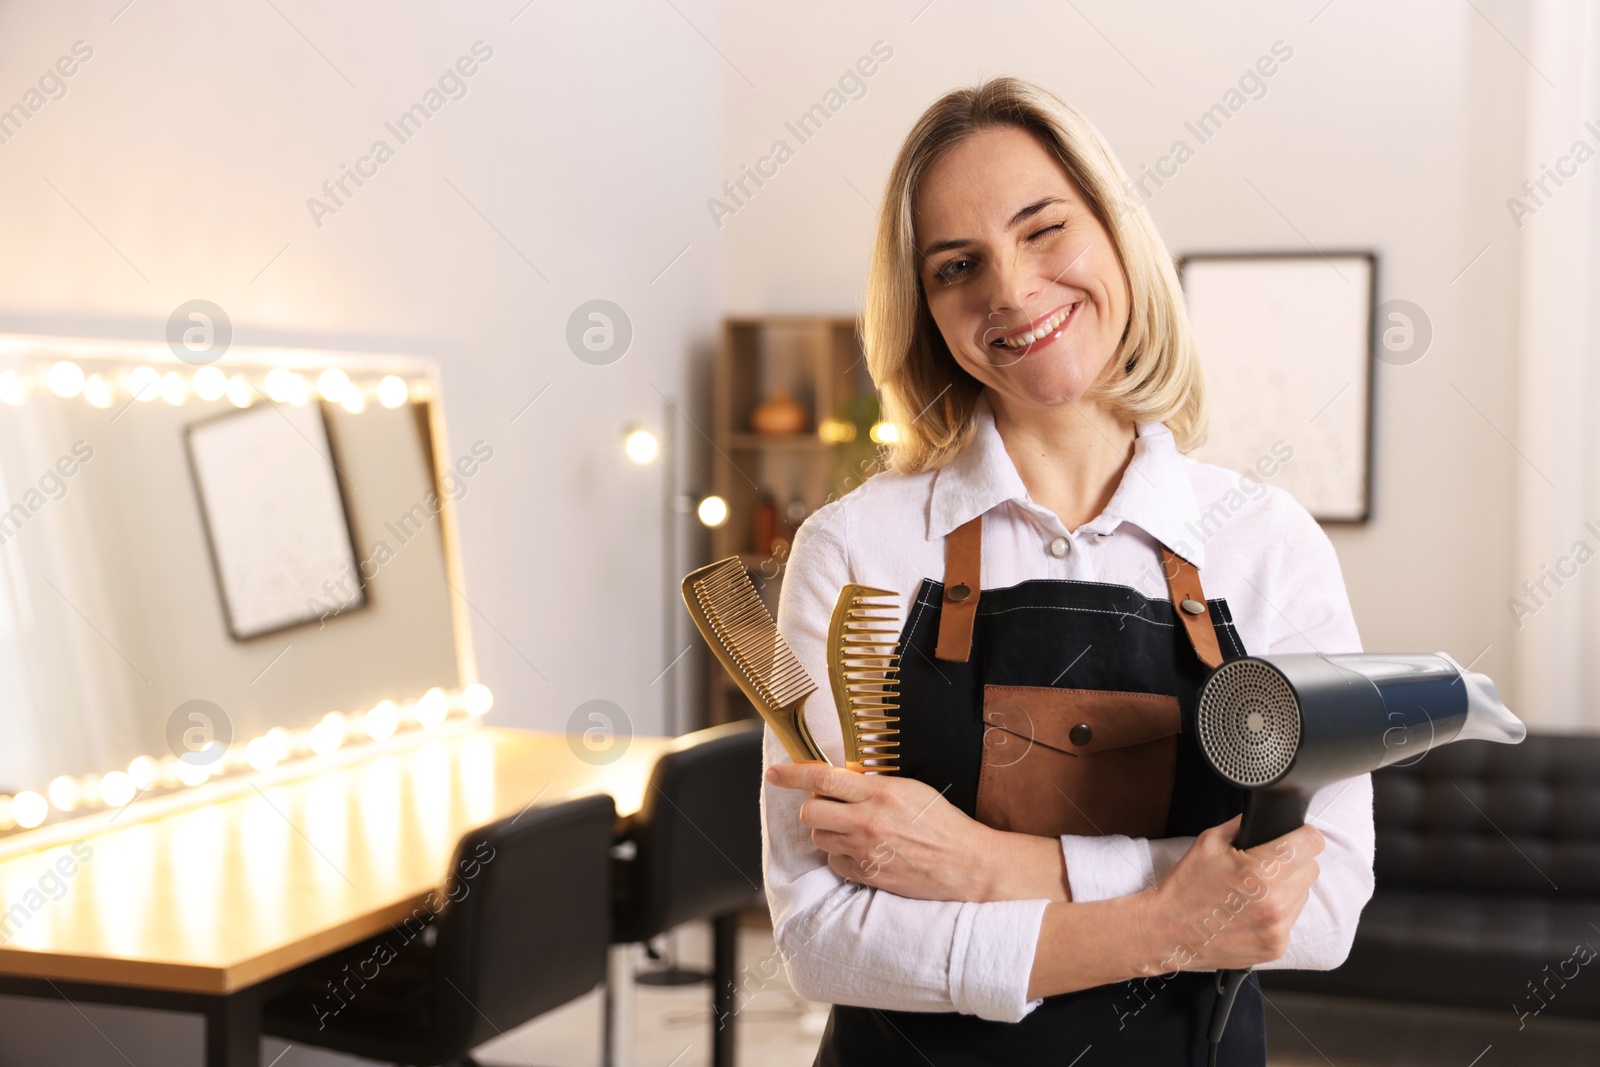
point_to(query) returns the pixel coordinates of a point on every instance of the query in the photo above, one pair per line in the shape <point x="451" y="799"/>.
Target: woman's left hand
<point x="903" y="836"/>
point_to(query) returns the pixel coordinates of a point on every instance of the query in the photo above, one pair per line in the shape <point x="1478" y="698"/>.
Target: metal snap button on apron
<point x="1080" y="734"/>
<point x="958" y="592"/>
<point x="1193" y="607"/>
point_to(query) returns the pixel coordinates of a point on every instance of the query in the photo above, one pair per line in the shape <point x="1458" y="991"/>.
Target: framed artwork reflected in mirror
<point x="275" y="517"/>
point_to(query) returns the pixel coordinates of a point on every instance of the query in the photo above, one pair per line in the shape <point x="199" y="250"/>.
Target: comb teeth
<point x="863" y="667"/>
<point x="747" y="630"/>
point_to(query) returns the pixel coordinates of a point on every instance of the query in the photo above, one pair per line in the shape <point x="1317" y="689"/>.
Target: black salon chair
<point x="693" y="851"/>
<point x="522" y="929"/>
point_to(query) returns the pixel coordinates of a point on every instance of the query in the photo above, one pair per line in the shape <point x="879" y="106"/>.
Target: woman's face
<point x="1008" y="248"/>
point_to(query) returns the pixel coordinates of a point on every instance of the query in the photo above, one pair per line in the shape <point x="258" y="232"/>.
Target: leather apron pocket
<point x="1077" y="761"/>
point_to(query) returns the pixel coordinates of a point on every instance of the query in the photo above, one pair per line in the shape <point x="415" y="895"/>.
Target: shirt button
<point x="1059" y="546"/>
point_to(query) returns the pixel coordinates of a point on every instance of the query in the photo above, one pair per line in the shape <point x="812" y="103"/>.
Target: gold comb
<point x="862" y="669"/>
<point x="729" y="613"/>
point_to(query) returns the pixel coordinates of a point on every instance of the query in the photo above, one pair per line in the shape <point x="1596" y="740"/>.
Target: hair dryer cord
<point x="1228" y="985"/>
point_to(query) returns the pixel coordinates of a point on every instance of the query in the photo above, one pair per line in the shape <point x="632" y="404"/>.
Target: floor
<point x="1311" y="1031"/>
<point x="775" y="1027"/>
<point x="778" y="1029"/>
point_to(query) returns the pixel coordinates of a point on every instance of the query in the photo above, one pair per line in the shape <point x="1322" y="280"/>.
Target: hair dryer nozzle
<point x="1305" y="719"/>
<point x="1488" y="719"/>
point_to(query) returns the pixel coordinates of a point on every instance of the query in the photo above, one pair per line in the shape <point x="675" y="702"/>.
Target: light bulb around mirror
<point x="98" y="390"/>
<point x="382" y="720"/>
<point x="333" y="385"/>
<point x="144" y="772"/>
<point x="328" y="735"/>
<point x="174" y="390"/>
<point x="29" y="809"/>
<point x="261" y="754"/>
<point x="144" y="383"/>
<point x="393" y="391"/>
<point x="117" y="789"/>
<point x="13" y="390"/>
<point x="282" y="744"/>
<point x="433" y="708"/>
<point x="65" y="793"/>
<point x="240" y="392"/>
<point x="192" y="774"/>
<point x="65" y="378"/>
<point x="276" y="385"/>
<point x="477" y="699"/>
<point x="210" y="383"/>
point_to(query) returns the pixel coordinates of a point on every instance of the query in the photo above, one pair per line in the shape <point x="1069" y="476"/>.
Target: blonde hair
<point x="925" y="393"/>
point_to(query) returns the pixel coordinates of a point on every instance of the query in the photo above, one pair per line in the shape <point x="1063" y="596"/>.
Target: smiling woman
<point x="1028" y="885"/>
<point x="1068" y="235"/>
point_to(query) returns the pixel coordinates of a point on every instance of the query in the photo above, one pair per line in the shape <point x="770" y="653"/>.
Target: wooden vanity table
<point x="205" y="909"/>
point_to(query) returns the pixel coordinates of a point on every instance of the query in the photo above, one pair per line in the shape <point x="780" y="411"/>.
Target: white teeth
<point x="1049" y="327"/>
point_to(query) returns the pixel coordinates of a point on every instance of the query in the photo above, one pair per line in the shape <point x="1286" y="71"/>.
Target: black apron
<point x="1029" y="634"/>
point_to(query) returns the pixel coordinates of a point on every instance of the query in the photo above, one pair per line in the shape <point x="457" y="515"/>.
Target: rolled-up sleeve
<point x="845" y="943"/>
<point x="1307" y="610"/>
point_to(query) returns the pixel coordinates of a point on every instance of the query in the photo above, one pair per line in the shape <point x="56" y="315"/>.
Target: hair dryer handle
<point x="1269" y="814"/>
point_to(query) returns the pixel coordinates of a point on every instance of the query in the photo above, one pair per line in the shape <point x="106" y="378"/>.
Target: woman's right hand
<point x="1223" y="908"/>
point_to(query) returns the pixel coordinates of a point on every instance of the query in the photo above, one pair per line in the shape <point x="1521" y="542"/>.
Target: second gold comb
<point x="863" y="670"/>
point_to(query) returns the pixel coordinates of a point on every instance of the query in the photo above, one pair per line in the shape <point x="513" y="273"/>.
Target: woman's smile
<point x="1040" y="333"/>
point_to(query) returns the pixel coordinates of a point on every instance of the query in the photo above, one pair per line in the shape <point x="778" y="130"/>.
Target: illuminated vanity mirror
<point x="215" y="570"/>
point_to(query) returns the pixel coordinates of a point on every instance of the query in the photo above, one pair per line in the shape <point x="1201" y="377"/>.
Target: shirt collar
<point x="1155" y="494"/>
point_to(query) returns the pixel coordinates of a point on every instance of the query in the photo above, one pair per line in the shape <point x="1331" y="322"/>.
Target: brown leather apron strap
<point x="1189" y="604"/>
<point x="963" y="579"/>
<point x="963" y="555"/>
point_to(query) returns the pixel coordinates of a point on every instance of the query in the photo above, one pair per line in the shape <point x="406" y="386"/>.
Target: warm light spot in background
<point x="713" y="511"/>
<point x="641" y="446"/>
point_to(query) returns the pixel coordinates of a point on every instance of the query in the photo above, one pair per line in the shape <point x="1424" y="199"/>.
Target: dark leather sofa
<point x="1487" y="893"/>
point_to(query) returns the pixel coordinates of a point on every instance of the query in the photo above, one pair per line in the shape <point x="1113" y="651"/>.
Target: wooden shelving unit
<point x="819" y="360"/>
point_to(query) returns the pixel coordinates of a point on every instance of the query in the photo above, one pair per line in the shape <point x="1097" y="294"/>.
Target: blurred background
<point x="595" y="153"/>
<point x="578" y="165"/>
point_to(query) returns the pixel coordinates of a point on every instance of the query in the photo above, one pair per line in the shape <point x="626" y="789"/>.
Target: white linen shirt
<point x="1254" y="545"/>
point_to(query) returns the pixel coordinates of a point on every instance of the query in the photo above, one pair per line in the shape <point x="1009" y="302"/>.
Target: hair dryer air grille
<point x="1248" y="722"/>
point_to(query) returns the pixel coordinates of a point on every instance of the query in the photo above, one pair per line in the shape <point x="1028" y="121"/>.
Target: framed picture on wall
<point x="1286" y="341"/>
<point x="275" y="517"/>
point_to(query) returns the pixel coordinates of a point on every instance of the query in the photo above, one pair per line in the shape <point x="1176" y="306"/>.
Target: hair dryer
<point x="1284" y="726"/>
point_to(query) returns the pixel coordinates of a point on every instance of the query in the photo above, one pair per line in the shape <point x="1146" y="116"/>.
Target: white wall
<point x="191" y="141"/>
<point x="1558" y="594"/>
<point x="1395" y="127"/>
